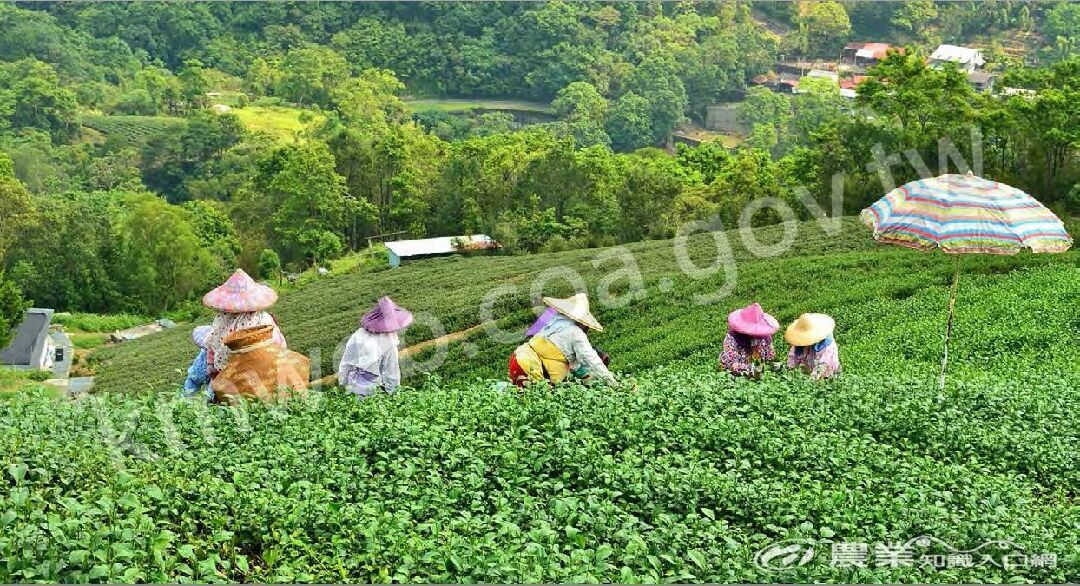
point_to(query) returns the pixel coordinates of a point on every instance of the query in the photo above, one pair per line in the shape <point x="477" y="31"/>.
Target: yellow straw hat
<point x="809" y="329"/>
<point x="575" y="308"/>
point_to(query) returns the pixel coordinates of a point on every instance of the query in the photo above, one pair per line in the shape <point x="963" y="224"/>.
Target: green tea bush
<point x="135" y="129"/>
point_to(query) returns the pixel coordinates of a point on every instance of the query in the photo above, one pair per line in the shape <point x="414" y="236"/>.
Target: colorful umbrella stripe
<point x="965" y="214"/>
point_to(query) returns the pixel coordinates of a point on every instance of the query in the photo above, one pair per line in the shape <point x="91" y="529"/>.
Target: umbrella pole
<point x="948" y="327"/>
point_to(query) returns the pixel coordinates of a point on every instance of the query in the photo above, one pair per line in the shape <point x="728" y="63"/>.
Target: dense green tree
<point x="1062" y="28"/>
<point x="193" y="84"/>
<point x="629" y="124"/>
<point x="376" y="43"/>
<point x="32" y="97"/>
<point x="269" y="264"/>
<point x="165" y="261"/>
<point x="825" y="25"/>
<point x="12" y="308"/>
<point x="651" y="182"/>
<point x="914" y="17"/>
<point x="656" y="81"/>
<point x="310" y="75"/>
<point x="215" y="231"/>
<point x="171" y="159"/>
<point x="71" y="258"/>
<point x="152" y="91"/>
<point x="310" y="203"/>
<point x="583" y="111"/>
<point x="927" y="104"/>
<point x="16" y="209"/>
<point x="768" y="114"/>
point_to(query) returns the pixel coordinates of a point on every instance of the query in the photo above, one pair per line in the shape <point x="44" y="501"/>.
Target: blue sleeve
<point x="198" y="375"/>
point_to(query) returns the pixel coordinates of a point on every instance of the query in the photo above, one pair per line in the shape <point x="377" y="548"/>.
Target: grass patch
<point x="281" y="122"/>
<point x="15" y="380"/>
<point x="466" y="105"/>
<point x="98" y="323"/>
<point x="88" y="341"/>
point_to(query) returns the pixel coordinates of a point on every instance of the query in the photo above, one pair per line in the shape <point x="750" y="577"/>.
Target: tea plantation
<point x="683" y="477"/>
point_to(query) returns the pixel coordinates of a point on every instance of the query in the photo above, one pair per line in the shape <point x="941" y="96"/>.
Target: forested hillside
<point x="146" y="149"/>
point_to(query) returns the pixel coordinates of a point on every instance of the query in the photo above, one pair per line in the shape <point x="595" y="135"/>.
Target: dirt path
<point x="448" y="338"/>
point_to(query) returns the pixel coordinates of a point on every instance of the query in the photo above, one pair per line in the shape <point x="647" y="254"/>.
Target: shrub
<point x="93" y="322"/>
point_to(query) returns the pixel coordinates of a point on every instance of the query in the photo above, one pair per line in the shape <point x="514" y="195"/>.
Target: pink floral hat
<point x="240" y="294"/>
<point x="386" y="317"/>
<point x="752" y="321"/>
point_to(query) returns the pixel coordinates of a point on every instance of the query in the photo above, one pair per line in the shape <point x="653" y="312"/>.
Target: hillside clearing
<point x="281" y="122"/>
<point x="464" y="105"/>
<point x="135" y="129"/>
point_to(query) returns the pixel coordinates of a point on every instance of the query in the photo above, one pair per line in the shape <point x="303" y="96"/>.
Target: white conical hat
<point x="575" y="308"/>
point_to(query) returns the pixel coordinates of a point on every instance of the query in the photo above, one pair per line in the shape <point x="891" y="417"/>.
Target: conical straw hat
<point x="386" y="317"/>
<point x="809" y="329"/>
<point x="240" y="294"/>
<point x="575" y="308"/>
<point x="753" y="321"/>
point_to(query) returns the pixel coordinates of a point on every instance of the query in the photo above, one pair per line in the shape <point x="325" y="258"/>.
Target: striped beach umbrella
<point x="964" y="214"/>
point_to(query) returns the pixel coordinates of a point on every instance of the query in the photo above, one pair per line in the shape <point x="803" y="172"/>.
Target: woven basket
<point x="260" y="369"/>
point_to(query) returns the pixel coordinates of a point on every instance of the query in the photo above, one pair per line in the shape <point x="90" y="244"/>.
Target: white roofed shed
<point x="966" y="57"/>
<point x="427" y="247"/>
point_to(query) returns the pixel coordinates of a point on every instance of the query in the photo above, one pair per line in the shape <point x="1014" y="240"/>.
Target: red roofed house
<point x="865" y="54"/>
<point x="851" y="82"/>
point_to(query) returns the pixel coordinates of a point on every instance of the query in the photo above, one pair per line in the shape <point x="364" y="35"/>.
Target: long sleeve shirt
<point x="198" y="378"/>
<point x="579" y="352"/>
<point x="362" y="382"/>
<point x="820" y="364"/>
<point x="736" y="360"/>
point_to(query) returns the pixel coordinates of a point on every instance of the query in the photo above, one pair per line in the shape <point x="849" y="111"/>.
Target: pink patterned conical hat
<point x="240" y="294"/>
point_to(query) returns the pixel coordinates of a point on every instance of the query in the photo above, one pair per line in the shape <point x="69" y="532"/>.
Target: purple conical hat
<point x="240" y="294"/>
<point x="386" y="317"/>
<point x="752" y="321"/>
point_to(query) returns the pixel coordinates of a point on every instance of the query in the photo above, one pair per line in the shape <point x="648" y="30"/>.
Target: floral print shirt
<point x="738" y="361"/>
<point x="820" y="360"/>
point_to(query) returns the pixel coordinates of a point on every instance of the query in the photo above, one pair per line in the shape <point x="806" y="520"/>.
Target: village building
<point x="865" y="54"/>
<point x="34" y="347"/>
<point x="966" y="58"/>
<point x="402" y="250"/>
<point x="848" y="84"/>
<point x="982" y="81"/>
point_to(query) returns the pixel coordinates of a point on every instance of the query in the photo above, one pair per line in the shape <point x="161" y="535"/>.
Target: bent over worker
<point x="560" y="348"/>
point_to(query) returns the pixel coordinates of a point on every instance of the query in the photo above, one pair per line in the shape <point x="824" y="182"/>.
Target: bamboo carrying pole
<point x="948" y="327"/>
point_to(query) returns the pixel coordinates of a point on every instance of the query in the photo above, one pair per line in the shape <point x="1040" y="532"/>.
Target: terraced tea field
<point x="135" y="129"/>
<point x="686" y="477"/>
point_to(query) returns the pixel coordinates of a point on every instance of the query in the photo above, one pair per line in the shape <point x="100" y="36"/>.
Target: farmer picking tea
<point x="371" y="357"/>
<point x="813" y="348"/>
<point x="241" y="303"/>
<point x="260" y="368"/>
<point x="748" y="343"/>
<point x="559" y="347"/>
